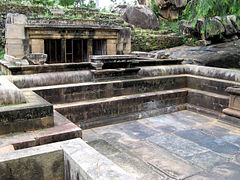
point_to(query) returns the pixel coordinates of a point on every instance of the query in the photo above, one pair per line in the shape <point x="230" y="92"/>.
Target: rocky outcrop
<point x="139" y="16"/>
<point x="224" y="55"/>
<point x="168" y="9"/>
<point x="227" y="27"/>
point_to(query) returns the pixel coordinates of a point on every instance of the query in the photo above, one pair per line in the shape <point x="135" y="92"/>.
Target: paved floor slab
<point x="180" y="145"/>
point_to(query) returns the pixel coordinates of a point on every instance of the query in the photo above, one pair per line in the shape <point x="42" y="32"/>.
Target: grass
<point x="4" y="105"/>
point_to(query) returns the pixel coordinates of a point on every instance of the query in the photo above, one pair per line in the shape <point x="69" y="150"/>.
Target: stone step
<point x="63" y="130"/>
<point x="208" y="100"/>
<point x="103" y="111"/>
<point x="95" y="112"/>
<point x="68" y="93"/>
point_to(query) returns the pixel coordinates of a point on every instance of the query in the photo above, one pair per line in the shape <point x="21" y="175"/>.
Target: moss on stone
<point x="149" y="40"/>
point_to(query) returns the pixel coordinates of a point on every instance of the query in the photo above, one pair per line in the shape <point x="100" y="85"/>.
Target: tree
<point x="209" y="8"/>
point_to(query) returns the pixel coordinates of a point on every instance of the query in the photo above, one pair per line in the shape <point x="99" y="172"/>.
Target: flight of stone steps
<point x="97" y="103"/>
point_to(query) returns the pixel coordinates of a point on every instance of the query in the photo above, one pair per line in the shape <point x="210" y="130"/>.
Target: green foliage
<point x="71" y="2"/>
<point x="43" y="2"/>
<point x="154" y="8"/>
<point x="65" y="3"/>
<point x="2" y="52"/>
<point x="168" y="27"/>
<point x="209" y="8"/>
<point x="149" y="40"/>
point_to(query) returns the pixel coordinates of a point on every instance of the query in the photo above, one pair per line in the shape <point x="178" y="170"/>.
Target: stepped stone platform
<point x="91" y="102"/>
<point x="179" y="145"/>
<point x="63" y="129"/>
<point x="165" y="122"/>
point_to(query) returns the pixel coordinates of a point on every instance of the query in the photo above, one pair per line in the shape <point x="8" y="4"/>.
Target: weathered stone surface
<point x="207" y="160"/>
<point x="216" y="145"/>
<point x="62" y="130"/>
<point x="119" y="9"/>
<point x="16" y="61"/>
<point x="36" y="58"/>
<point x="64" y="160"/>
<point x="168" y="9"/>
<point x="177" y="145"/>
<point x="92" y="114"/>
<point x="5" y="149"/>
<point x="83" y="161"/>
<point x="224" y="55"/>
<point x="9" y="93"/>
<point x="223" y="171"/>
<point x="139" y="16"/>
<point x="16" y="19"/>
<point x="35" y="114"/>
<point x="37" y="45"/>
<point x="35" y="163"/>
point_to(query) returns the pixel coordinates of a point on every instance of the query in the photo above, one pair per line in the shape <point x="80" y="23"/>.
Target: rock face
<point x="139" y="16"/>
<point x="226" y="27"/>
<point x="168" y="9"/>
<point x="224" y="55"/>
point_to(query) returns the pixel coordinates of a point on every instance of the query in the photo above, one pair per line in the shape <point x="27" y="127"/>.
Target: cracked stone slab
<point x="127" y="161"/>
<point x="227" y="171"/>
<point x="177" y="145"/>
<point x="169" y="121"/>
<point x="207" y="160"/>
<point x="157" y="126"/>
<point x="193" y="116"/>
<point x="136" y="130"/>
<point x="214" y="130"/>
<point x="210" y="142"/>
<point x="164" y="161"/>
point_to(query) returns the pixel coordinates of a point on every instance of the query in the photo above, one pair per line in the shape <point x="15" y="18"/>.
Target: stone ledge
<point x="35" y="114"/>
<point x="9" y="93"/>
<point x="232" y="112"/>
<point x="62" y="160"/>
<point x="62" y="130"/>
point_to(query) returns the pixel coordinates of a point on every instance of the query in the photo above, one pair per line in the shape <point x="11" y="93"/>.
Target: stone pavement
<point x="180" y="145"/>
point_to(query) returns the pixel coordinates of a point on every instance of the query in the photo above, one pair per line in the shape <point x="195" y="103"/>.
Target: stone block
<point x="6" y="149"/>
<point x="34" y="163"/>
<point x="112" y="41"/>
<point x="111" y="48"/>
<point x="36" y="58"/>
<point x="12" y="41"/>
<point x="234" y="102"/>
<point x="35" y="114"/>
<point x="9" y="93"/>
<point x="16" y="19"/>
<point x="16" y="50"/>
<point x="14" y="31"/>
<point x="37" y="46"/>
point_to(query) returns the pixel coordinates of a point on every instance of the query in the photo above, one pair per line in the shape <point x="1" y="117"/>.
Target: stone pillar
<point x="15" y="35"/>
<point x="37" y="45"/>
<point x="111" y="46"/>
<point x="90" y="48"/>
<point x="234" y="102"/>
<point x="124" y="41"/>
